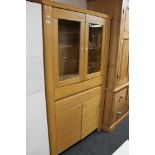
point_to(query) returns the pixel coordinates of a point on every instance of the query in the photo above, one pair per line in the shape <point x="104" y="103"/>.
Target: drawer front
<point x="92" y="82"/>
<point x="91" y="93"/>
<point x="90" y="115"/>
<point x="119" y="113"/>
<point x="68" y="122"/>
<point x="76" y="99"/>
<point x="67" y="90"/>
<point x="120" y="99"/>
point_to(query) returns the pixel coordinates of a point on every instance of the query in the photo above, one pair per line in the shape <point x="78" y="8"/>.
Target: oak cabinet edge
<point x="70" y="7"/>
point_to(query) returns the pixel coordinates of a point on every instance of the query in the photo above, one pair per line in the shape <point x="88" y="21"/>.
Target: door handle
<point x="86" y="48"/>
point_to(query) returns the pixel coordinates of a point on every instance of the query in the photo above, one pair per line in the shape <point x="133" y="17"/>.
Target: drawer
<point x="68" y="122"/>
<point x="119" y="113"/>
<point x="92" y="82"/>
<point x="79" y="87"/>
<point x="67" y="90"/>
<point x="120" y="99"/>
<point x="86" y="95"/>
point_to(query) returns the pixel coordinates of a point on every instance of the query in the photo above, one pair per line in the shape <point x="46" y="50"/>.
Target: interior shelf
<point x="65" y="45"/>
<point x="68" y="76"/>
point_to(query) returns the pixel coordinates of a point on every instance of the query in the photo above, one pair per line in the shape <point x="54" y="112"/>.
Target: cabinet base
<point x="113" y="126"/>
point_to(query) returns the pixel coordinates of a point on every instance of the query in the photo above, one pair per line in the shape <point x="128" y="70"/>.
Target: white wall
<point x="78" y="3"/>
<point x="36" y="120"/>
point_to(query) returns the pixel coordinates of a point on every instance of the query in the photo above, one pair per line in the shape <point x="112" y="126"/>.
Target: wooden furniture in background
<point x="116" y="101"/>
<point x="76" y="45"/>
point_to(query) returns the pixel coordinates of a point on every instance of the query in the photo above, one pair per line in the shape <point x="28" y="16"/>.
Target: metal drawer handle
<point x="82" y="49"/>
<point x="120" y="98"/>
<point x="119" y="112"/>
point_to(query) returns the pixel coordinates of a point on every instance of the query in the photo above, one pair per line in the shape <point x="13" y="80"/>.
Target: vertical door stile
<point x="82" y="44"/>
<point x="55" y="51"/>
<point x="86" y="49"/>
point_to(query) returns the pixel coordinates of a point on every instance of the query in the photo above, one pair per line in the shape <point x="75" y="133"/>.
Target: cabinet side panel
<point x="49" y="77"/>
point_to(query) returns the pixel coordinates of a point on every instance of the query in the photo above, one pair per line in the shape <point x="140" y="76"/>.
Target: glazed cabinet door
<point x="123" y="57"/>
<point x="68" y="38"/>
<point x="94" y="36"/>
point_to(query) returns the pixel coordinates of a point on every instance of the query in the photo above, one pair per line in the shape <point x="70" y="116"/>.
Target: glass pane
<point x="94" y="48"/>
<point x="69" y="47"/>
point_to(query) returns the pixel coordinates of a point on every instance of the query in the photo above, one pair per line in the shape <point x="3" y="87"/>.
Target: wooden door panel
<point x="68" y="127"/>
<point x="123" y="67"/>
<point x="68" y="121"/>
<point x="91" y="112"/>
<point x="123" y="50"/>
<point x="124" y="60"/>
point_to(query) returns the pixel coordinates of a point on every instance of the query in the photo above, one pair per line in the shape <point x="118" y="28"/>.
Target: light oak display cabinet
<point x="76" y="45"/>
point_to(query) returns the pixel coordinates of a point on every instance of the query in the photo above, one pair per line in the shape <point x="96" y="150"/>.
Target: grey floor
<point x="101" y="143"/>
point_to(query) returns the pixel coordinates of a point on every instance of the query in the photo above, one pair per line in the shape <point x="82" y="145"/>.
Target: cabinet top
<point x="70" y="7"/>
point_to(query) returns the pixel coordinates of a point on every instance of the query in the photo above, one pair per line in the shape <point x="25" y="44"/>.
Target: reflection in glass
<point x="69" y="47"/>
<point x="94" y="48"/>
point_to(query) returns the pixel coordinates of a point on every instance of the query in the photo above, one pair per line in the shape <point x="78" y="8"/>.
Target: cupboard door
<point x="68" y="29"/>
<point x="90" y="115"/>
<point x="91" y="110"/>
<point x="123" y="56"/>
<point x="123" y="63"/>
<point x="68" y="122"/>
<point x="93" y="46"/>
